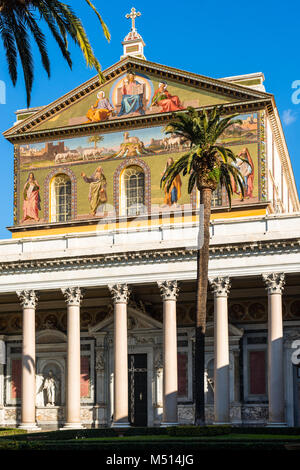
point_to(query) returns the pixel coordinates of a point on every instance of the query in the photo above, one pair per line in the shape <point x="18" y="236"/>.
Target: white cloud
<point x="289" y="117"/>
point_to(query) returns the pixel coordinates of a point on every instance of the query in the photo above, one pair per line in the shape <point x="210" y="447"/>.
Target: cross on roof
<point x="133" y="15"/>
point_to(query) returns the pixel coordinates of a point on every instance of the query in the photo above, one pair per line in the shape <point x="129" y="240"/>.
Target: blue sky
<point x="216" y="39"/>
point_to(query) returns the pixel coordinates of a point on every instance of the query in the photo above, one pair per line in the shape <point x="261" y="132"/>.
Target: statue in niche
<point x="50" y="388"/>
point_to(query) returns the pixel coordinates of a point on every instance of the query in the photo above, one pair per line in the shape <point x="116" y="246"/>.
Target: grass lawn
<point x="159" y="442"/>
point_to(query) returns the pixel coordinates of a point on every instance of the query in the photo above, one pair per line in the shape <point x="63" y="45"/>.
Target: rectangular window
<point x="257" y="372"/>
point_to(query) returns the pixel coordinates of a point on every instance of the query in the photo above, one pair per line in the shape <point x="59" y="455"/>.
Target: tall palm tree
<point x="208" y="165"/>
<point x="95" y="139"/>
<point x="19" y="20"/>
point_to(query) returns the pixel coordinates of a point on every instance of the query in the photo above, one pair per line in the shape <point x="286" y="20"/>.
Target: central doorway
<point x="137" y="389"/>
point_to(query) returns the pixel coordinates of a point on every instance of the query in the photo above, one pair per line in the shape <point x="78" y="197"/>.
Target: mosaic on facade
<point x="97" y="167"/>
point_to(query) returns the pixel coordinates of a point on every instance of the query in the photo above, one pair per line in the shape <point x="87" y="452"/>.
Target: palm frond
<point x="9" y="44"/>
<point x="104" y="26"/>
<point x="206" y="162"/>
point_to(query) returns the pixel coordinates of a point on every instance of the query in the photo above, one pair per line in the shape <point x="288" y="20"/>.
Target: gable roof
<point x="236" y="94"/>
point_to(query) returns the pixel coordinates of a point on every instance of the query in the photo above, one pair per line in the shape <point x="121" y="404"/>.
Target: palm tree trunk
<point x="202" y="279"/>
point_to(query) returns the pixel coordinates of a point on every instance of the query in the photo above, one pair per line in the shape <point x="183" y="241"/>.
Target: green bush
<point x="11" y="431"/>
<point x="68" y="435"/>
<point x="199" y="430"/>
<point x="285" y="430"/>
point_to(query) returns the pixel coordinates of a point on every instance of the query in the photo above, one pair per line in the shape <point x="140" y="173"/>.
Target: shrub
<point x="213" y="430"/>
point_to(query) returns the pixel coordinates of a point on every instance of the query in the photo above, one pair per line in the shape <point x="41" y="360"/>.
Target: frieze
<point x="169" y="255"/>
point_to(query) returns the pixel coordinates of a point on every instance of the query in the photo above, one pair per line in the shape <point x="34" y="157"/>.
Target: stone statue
<point x="50" y="386"/>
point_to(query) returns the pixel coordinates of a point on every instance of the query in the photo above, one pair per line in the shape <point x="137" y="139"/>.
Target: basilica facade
<point x="97" y="285"/>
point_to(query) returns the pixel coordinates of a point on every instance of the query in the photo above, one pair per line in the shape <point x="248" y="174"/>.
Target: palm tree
<point x="95" y="139"/>
<point x="208" y="165"/>
<point x="19" y="20"/>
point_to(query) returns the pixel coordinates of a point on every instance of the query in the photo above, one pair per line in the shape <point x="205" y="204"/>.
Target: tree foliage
<point x="22" y="20"/>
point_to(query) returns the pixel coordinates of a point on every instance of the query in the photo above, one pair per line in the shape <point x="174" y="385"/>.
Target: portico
<point x="154" y="321"/>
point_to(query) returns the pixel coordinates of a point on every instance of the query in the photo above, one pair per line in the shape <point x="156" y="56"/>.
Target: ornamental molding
<point x="238" y="250"/>
<point x="220" y="286"/>
<point x="28" y="298"/>
<point x="133" y="122"/>
<point x="100" y="361"/>
<point x="169" y="290"/>
<point x="120" y="293"/>
<point x="274" y="282"/>
<point x="73" y="295"/>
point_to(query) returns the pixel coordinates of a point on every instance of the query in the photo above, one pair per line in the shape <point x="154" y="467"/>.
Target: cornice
<point x="192" y="79"/>
<point x="258" y="248"/>
<point x="130" y="122"/>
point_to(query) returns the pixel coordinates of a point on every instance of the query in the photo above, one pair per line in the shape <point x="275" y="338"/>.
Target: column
<point x="169" y="292"/>
<point x="120" y="293"/>
<point x="275" y="283"/>
<point x="28" y="299"/>
<point x="221" y="286"/>
<point x="73" y="297"/>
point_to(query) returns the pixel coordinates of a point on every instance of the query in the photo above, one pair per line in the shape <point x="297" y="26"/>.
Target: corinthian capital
<point x="73" y="295"/>
<point x="28" y="298"/>
<point x="168" y="289"/>
<point x="120" y="293"/>
<point x="220" y="286"/>
<point x="274" y="282"/>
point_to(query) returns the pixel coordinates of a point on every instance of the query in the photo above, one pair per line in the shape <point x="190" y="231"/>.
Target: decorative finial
<point x="133" y="15"/>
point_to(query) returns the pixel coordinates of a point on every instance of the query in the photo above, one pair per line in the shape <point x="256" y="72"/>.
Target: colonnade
<point x="169" y="292"/>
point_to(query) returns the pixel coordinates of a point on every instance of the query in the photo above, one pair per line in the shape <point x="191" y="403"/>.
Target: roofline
<point x="121" y="66"/>
<point x="247" y="76"/>
<point x="280" y="142"/>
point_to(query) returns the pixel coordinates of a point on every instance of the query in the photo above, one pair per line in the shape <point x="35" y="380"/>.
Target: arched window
<point x="133" y="191"/>
<point x="61" y="198"/>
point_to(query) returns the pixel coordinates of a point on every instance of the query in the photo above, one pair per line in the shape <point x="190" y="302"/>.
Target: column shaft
<point x="221" y="364"/>
<point x="169" y="292"/>
<point x="28" y="392"/>
<point x="73" y="365"/>
<point x="121" y="365"/>
<point x="170" y="379"/>
<point x="275" y="359"/>
<point x="73" y="297"/>
<point x="221" y="286"/>
<point x="275" y="283"/>
<point x="120" y="293"/>
<point x="28" y="367"/>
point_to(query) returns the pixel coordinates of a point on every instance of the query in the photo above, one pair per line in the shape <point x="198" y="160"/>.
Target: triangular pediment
<point x="138" y="319"/>
<point x="152" y="90"/>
